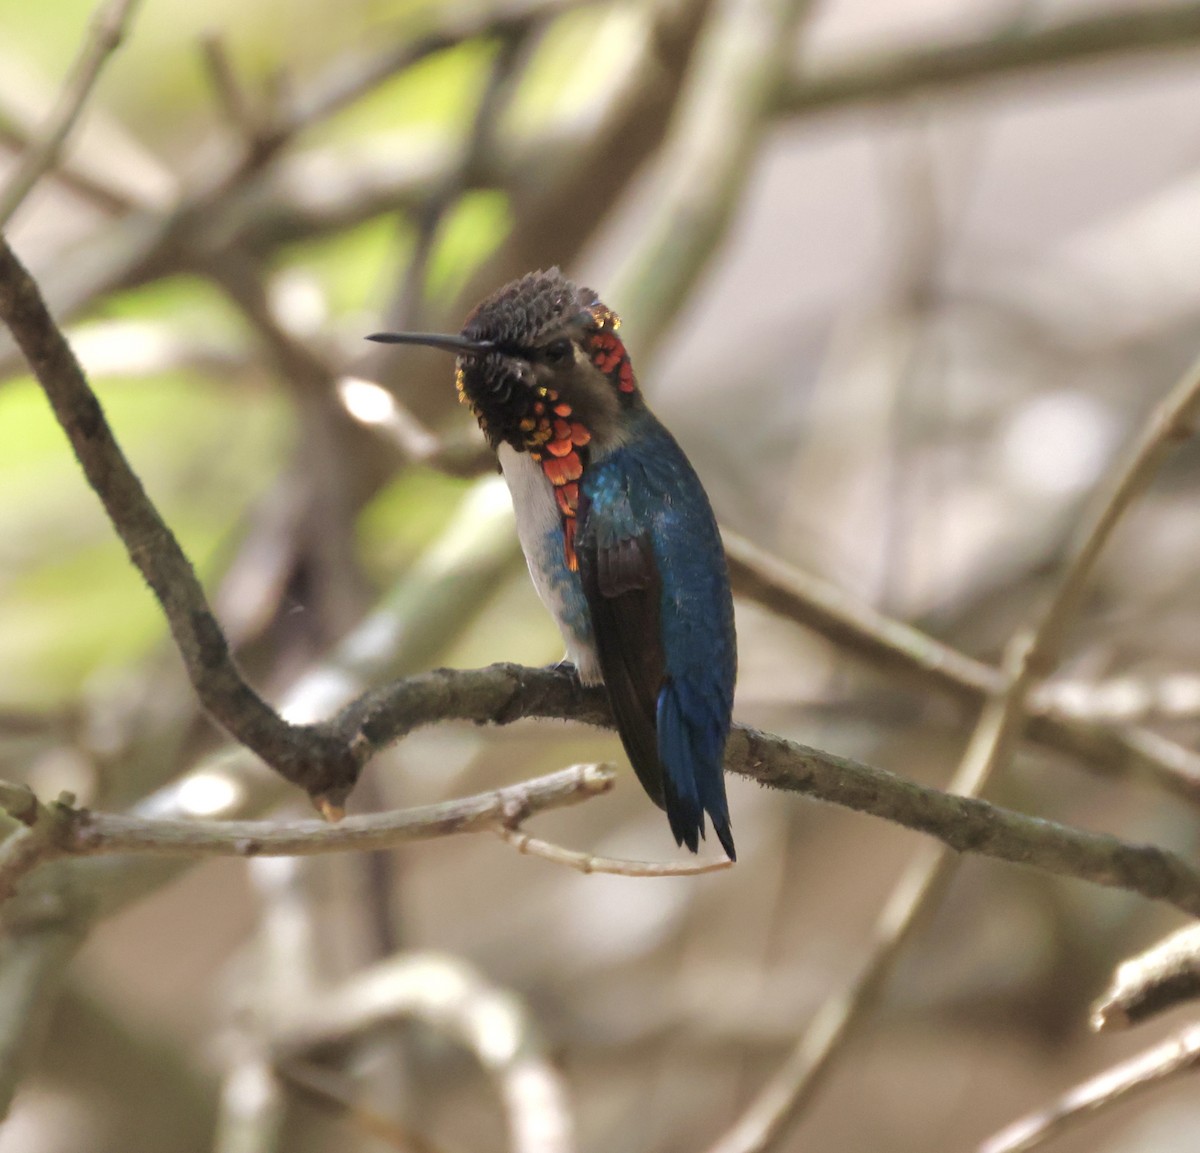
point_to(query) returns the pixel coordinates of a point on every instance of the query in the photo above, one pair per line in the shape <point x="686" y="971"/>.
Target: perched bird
<point x="618" y="534"/>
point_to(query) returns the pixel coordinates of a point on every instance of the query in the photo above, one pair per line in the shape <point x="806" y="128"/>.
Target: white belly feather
<point x="539" y="529"/>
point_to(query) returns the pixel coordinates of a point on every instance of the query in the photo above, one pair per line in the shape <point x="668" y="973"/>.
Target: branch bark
<point x="928" y="663"/>
<point x="304" y="755"/>
<point x="502" y="694"/>
<point x="81" y="832"/>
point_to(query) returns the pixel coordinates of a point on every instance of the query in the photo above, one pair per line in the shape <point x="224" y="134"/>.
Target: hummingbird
<point x="617" y="531"/>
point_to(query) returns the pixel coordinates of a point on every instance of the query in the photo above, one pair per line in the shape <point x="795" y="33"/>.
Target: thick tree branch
<point x="928" y="663"/>
<point x="501" y="694"/>
<point x="964" y="824"/>
<point x="305" y="755"/>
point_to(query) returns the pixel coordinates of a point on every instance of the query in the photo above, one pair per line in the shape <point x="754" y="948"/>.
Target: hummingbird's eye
<point x="557" y="352"/>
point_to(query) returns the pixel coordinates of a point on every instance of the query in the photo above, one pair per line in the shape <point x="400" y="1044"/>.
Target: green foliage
<point x="439" y="94"/>
<point x="470" y="233"/>
<point x="355" y="267"/>
<point x="406" y="517"/>
<point x="71" y="604"/>
<point x="161" y="87"/>
<point x="574" y="58"/>
<point x="192" y="307"/>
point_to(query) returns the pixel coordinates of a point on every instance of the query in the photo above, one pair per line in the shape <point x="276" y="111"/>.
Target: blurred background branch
<point x="110" y="24"/>
<point x="899" y="383"/>
<point x="1151" y="982"/>
<point x="1169" y="1059"/>
<point x="999" y="53"/>
<point x="1030" y="655"/>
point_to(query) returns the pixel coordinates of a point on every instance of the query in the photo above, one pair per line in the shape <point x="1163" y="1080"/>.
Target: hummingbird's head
<point x="541" y="366"/>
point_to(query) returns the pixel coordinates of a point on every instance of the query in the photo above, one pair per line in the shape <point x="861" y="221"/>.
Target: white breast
<point x="539" y="529"/>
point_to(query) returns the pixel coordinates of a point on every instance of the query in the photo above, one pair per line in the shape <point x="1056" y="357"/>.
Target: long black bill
<point x="456" y="344"/>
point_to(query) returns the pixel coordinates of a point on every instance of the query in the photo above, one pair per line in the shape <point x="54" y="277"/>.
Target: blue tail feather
<point x="691" y="744"/>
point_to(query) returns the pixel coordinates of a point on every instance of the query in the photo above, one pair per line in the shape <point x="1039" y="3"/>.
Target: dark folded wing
<point x="624" y="594"/>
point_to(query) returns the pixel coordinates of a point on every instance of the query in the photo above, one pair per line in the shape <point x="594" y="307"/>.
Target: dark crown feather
<point x="517" y="314"/>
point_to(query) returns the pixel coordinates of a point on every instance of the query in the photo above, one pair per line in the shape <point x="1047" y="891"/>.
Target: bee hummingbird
<point x="617" y="531"/>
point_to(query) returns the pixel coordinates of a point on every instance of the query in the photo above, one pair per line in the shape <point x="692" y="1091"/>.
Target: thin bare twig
<point x="1029" y="655"/>
<point x="613" y="866"/>
<point x="1162" y="1062"/>
<point x="79" y="832"/>
<point x="231" y="94"/>
<point x="1158" y="979"/>
<point x="109" y="25"/>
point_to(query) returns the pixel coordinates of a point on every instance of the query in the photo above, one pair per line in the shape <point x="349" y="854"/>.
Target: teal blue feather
<point x="653" y="573"/>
